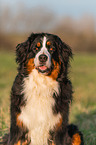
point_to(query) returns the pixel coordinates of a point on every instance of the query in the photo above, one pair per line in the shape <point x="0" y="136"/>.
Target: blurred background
<point x="74" y="21"/>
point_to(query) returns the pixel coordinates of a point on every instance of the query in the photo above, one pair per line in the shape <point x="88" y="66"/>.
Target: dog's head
<point x="44" y="52"/>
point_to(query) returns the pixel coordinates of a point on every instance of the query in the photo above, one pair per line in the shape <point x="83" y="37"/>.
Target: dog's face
<point x="43" y="55"/>
<point x="44" y="52"/>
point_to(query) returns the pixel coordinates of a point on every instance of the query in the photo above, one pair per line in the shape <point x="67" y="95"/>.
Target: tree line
<point x="15" y="25"/>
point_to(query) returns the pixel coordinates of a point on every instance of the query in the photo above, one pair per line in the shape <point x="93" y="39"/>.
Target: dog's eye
<point x="51" y="49"/>
<point x="36" y="48"/>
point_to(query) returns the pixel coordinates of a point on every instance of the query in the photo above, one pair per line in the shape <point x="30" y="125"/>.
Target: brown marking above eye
<point x="48" y="43"/>
<point x="38" y="44"/>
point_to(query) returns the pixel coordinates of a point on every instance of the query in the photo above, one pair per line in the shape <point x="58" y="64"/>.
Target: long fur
<point x="39" y="102"/>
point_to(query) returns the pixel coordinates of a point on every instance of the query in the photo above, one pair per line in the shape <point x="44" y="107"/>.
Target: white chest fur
<point x="37" y="115"/>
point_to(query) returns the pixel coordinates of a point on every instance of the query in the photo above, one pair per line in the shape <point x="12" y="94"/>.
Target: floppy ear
<point x="22" y="49"/>
<point x="65" y="52"/>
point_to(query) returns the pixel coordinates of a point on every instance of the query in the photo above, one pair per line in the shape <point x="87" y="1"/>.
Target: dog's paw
<point x="76" y="139"/>
<point x="76" y="135"/>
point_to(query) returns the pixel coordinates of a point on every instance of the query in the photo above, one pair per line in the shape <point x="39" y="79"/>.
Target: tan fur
<point x="58" y="125"/>
<point x="76" y="139"/>
<point x="30" y="65"/>
<point x="18" y="122"/>
<point x="18" y="143"/>
<point x="23" y="143"/>
<point x="37" y="115"/>
<point x="56" y="70"/>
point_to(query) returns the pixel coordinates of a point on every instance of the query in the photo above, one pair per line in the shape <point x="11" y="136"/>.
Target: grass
<point x="83" y="110"/>
<point x="7" y="74"/>
<point x="83" y="77"/>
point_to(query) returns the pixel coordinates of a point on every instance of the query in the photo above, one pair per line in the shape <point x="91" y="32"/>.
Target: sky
<point x="73" y="8"/>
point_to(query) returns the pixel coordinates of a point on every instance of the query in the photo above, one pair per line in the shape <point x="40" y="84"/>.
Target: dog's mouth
<point x="43" y="69"/>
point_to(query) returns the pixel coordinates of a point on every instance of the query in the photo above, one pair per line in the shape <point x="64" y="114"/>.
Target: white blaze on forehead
<point x="43" y="51"/>
<point x="44" y="41"/>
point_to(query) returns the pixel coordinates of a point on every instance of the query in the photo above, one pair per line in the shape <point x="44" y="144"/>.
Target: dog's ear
<point x="64" y="50"/>
<point x="22" y="49"/>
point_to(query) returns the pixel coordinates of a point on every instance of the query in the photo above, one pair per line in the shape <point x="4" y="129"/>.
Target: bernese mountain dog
<point x="41" y="94"/>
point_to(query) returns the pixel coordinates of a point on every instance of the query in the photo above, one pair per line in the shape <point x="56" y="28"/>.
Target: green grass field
<point x="83" y="109"/>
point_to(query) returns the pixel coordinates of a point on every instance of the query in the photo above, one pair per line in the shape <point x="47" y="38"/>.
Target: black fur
<point x="24" y="52"/>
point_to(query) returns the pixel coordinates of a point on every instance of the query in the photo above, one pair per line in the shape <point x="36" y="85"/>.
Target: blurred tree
<point x="26" y="20"/>
<point x="80" y="34"/>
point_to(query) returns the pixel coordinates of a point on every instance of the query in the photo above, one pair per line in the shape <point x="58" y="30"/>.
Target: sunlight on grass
<point x="7" y="74"/>
<point x="83" y="77"/>
<point x="83" y="110"/>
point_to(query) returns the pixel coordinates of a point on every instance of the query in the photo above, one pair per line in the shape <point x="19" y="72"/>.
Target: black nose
<point x="43" y="58"/>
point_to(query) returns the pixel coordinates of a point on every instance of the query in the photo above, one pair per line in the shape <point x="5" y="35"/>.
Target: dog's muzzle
<point x="43" y="58"/>
<point x="42" y="62"/>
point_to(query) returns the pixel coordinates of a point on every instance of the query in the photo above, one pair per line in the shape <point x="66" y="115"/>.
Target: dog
<point x="41" y="94"/>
